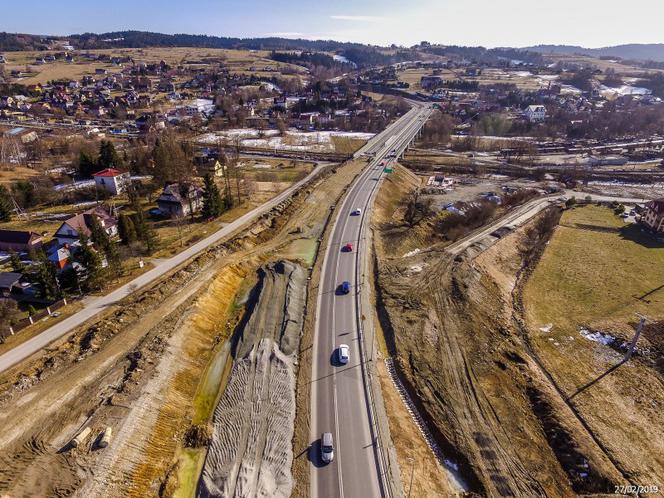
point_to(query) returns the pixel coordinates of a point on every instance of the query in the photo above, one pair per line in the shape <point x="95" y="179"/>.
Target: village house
<point x="8" y="282"/>
<point x="178" y="200"/>
<point x="20" y="241"/>
<point x="535" y="113"/>
<point x="25" y="135"/>
<point x="210" y="167"/>
<point x="653" y="216"/>
<point x="76" y="226"/>
<point x="112" y="180"/>
<point x="60" y="256"/>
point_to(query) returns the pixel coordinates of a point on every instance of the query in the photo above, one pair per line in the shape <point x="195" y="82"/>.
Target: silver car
<point x="327" y="447"/>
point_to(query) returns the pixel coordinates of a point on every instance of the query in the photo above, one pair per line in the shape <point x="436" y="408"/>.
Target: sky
<point x="491" y="23"/>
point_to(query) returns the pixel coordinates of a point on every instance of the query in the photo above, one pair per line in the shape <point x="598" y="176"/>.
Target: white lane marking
<point x="358" y="188"/>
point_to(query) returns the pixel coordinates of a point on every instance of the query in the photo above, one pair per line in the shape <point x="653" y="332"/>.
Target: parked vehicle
<point x="343" y="353"/>
<point x="327" y="447"/>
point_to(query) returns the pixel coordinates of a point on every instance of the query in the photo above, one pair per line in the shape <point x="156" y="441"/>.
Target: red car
<point x="348" y="248"/>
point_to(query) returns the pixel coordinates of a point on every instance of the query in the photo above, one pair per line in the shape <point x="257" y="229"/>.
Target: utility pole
<point x="635" y="339"/>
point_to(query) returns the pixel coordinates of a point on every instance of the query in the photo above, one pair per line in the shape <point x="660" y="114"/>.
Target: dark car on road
<point x="344" y="288"/>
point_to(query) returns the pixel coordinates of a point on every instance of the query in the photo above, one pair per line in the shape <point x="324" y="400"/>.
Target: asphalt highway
<point x="339" y="402"/>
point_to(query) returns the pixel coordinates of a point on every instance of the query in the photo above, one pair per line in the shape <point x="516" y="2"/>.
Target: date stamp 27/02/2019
<point x="631" y="489"/>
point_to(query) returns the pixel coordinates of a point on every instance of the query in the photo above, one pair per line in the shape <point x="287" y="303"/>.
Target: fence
<point x="7" y="329"/>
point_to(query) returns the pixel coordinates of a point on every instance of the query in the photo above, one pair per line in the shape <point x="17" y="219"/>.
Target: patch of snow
<point x="66" y="187"/>
<point x="546" y="328"/>
<point x="569" y="89"/>
<point x="411" y="253"/>
<point x="318" y="141"/>
<point x="523" y="74"/>
<point x="600" y="337"/>
<point x="624" y="90"/>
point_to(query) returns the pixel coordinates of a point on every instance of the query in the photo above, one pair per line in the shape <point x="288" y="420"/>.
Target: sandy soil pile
<point x="251" y="452"/>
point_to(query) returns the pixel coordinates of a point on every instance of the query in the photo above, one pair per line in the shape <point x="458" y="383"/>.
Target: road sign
<point x="388" y="170"/>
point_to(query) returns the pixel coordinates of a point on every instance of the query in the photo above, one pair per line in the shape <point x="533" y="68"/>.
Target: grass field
<point x="597" y="273"/>
<point x="238" y="61"/>
<point x="596" y="268"/>
<point x="618" y="67"/>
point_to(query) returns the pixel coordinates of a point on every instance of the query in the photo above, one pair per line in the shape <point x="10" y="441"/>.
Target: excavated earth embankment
<point x="251" y="451"/>
<point x="452" y="328"/>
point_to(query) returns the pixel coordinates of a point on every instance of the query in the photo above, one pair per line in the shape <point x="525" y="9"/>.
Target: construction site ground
<point x="152" y="368"/>
<point x="456" y="329"/>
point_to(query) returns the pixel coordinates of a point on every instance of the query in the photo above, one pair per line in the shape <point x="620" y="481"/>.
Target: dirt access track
<point x="142" y="368"/>
<point x="453" y="327"/>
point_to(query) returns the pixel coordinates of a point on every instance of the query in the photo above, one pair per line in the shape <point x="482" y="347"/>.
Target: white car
<point x="356" y="212"/>
<point x="326" y="447"/>
<point x="343" y="353"/>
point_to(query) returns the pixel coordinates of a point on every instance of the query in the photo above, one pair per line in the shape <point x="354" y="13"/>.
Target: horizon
<point x="285" y="37"/>
<point x="475" y="23"/>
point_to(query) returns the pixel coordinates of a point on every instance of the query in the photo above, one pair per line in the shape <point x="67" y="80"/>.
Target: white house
<point x="112" y="180"/>
<point x="71" y="230"/>
<point x="535" y="113"/>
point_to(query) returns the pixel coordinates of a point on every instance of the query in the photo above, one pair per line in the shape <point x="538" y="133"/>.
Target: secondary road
<point x="95" y="304"/>
<point x="339" y="401"/>
<point x="522" y="214"/>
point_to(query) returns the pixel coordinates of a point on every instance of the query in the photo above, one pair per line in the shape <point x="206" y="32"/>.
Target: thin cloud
<point x="358" y="18"/>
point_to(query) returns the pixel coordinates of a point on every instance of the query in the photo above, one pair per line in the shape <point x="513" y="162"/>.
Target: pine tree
<point x="86" y="165"/>
<point x="126" y="229"/>
<point x="15" y="262"/>
<point x="89" y="259"/>
<point x="108" y="157"/>
<point x="212" y="202"/>
<point x="143" y="230"/>
<point x="102" y="241"/>
<point x="47" y="278"/>
<point x="6" y="207"/>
